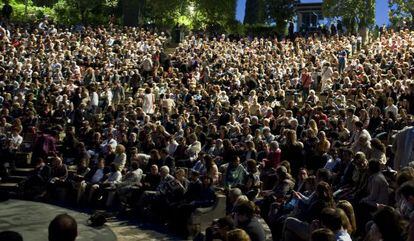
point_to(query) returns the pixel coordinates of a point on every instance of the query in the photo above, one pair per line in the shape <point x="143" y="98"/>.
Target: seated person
<point x="152" y="180"/>
<point x="75" y="180"/>
<point x="95" y="176"/>
<point x="235" y="174"/>
<point x="111" y="179"/>
<point x="218" y="230"/>
<point x="37" y="182"/>
<point x="58" y="177"/>
<point x="152" y="196"/>
<point x="245" y="218"/>
<point x="130" y="181"/>
<point x="196" y="197"/>
<point x="169" y="193"/>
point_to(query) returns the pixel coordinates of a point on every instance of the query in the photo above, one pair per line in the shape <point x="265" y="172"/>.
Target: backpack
<point x="97" y="219"/>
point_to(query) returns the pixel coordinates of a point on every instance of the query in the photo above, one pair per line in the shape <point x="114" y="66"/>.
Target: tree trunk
<point x="364" y="32"/>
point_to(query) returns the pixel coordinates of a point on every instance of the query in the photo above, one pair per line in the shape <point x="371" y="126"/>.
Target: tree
<point x="95" y="11"/>
<point x="355" y="14"/>
<point x="216" y="12"/>
<point x="255" y="12"/>
<point x="165" y="12"/>
<point x="401" y="9"/>
<point x="280" y="12"/>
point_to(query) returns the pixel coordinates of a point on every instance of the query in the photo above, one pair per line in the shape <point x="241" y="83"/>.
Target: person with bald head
<point x="63" y="228"/>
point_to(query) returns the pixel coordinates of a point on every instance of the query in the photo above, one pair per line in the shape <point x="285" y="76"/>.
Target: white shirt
<point x="16" y="141"/>
<point x="94" y="99"/>
<point x="114" y="177"/>
<point x="393" y="109"/>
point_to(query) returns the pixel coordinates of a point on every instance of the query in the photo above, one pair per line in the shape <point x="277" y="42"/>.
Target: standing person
<point x="118" y="93"/>
<point x="147" y="66"/>
<point x="342" y="60"/>
<point x="7" y="10"/>
<point x="149" y="100"/>
<point x="326" y="76"/>
<point x="307" y="81"/>
<point x="94" y="103"/>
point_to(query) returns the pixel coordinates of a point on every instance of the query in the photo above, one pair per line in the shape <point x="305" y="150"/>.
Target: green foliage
<point x="255" y="12"/>
<point x="167" y="13"/>
<point x="400" y="10"/>
<point x="66" y="14"/>
<point x="91" y="11"/>
<point x="280" y="12"/>
<point x="354" y="13"/>
<point x="216" y="12"/>
<point x="260" y="30"/>
<point x="33" y="12"/>
<point x="43" y="3"/>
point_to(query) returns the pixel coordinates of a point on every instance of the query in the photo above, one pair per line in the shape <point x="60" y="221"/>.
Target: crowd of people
<point x="314" y="135"/>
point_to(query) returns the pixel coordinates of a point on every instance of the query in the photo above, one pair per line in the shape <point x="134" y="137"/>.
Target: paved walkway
<point x="126" y="231"/>
<point x="31" y="220"/>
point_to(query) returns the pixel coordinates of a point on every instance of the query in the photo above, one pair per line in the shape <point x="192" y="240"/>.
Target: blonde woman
<point x="348" y="209"/>
<point x="120" y="157"/>
<point x="237" y="235"/>
<point x="313" y="126"/>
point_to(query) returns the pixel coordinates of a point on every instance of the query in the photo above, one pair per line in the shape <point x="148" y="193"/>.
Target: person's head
<point x="134" y="165"/>
<point x="223" y="225"/>
<point x="234" y="194"/>
<point x="360" y="160"/>
<point x="323" y="175"/>
<point x="164" y="171"/>
<point x="63" y="228"/>
<point x="346" y="154"/>
<point x="155" y="155"/>
<point x="39" y="162"/>
<point x="235" y="161"/>
<point x="237" y="235"/>
<point x="374" y="166"/>
<point x="120" y="149"/>
<point x="389" y="223"/>
<point x="404" y="175"/>
<point x="251" y="166"/>
<point x="407" y="191"/>
<point x="192" y="138"/>
<point x="101" y="163"/>
<point x="324" y="192"/>
<point x="244" y="211"/>
<point x="347" y="207"/>
<point x="322" y="234"/>
<point x="206" y="180"/>
<point x="330" y="218"/>
<point x="179" y="174"/>
<point x="303" y="174"/>
<point x="10" y="236"/>
<point x="57" y="162"/>
<point x="154" y="170"/>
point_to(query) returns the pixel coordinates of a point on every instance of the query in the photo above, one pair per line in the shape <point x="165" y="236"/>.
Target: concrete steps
<point x="23" y="170"/>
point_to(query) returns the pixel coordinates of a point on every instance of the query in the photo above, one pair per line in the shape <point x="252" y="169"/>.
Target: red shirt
<point x="306" y="80"/>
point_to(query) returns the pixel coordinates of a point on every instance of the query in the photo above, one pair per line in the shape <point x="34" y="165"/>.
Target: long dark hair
<point x="390" y="224"/>
<point x="324" y="193"/>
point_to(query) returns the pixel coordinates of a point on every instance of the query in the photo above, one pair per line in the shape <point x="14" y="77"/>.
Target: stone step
<point x="22" y="171"/>
<point x="15" y="179"/>
<point x="23" y="159"/>
<point x="9" y="187"/>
